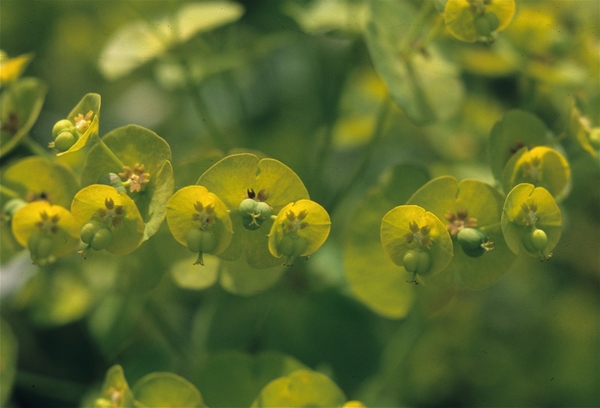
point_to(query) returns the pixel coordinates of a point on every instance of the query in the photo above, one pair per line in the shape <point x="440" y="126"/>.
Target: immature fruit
<point x="486" y="24"/>
<point x="416" y="261"/>
<point x="471" y="240"/>
<point x="202" y="241"/>
<point x="40" y="246"/>
<point x="263" y="209"/>
<point x="89" y="229"/>
<point x="538" y="239"/>
<point x="60" y="126"/>
<point x="292" y="246"/>
<point x="247" y="206"/>
<point x="101" y="239"/>
<point x="64" y="141"/>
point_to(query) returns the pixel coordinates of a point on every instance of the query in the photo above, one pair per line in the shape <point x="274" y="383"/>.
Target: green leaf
<point x="134" y="145"/>
<point x="240" y="278"/>
<point x="56" y="296"/>
<point x="517" y="224"/>
<point x="516" y="129"/>
<point x="445" y="196"/>
<point x="301" y="388"/>
<point x="323" y="15"/>
<point x="231" y="178"/>
<point x="166" y="390"/>
<point x="115" y="390"/>
<point x="20" y="106"/>
<point x="37" y="178"/>
<point x="8" y="360"/>
<point x="427" y="88"/>
<point x="140" y="41"/>
<point x="541" y="166"/>
<point x="244" y="373"/>
<point x="383" y="289"/>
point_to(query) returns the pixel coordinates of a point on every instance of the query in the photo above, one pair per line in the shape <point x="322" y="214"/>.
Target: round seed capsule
<point x="209" y="241"/>
<point x="64" y="141"/>
<point x="193" y="239"/>
<point x="61" y="126"/>
<point x="40" y="246"/>
<point x="247" y="206"/>
<point x="263" y="209"/>
<point x="486" y="24"/>
<point x="292" y="245"/>
<point x="471" y="238"/>
<point x="411" y="261"/>
<point x="101" y="239"/>
<point x="538" y="239"/>
<point x="89" y="229"/>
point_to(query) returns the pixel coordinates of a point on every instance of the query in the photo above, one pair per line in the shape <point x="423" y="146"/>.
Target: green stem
<point x="384" y="112"/>
<point x="9" y="192"/>
<point x="109" y="152"/>
<point x="34" y="147"/>
<point x="213" y="129"/>
<point x="62" y="390"/>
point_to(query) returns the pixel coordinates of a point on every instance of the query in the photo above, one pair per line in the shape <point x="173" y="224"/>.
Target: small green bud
<point x="416" y="261"/>
<point x="263" y="209"/>
<point x="113" y="180"/>
<point x="13" y="205"/>
<point x="89" y="229"/>
<point x="40" y="246"/>
<point x="101" y="239"/>
<point x="64" y="141"/>
<point x="486" y="24"/>
<point x="538" y="239"/>
<point x="247" y="206"/>
<point x="61" y="126"/>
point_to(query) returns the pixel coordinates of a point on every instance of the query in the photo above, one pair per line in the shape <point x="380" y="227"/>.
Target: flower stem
<point x="384" y="112"/>
<point x="9" y="192"/>
<point x="109" y="152"/>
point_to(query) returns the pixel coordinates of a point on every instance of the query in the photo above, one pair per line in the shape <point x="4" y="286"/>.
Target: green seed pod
<point x="64" y="141"/>
<point x="416" y="261"/>
<point x="263" y="209"/>
<point x="40" y="246"/>
<point x="292" y="246"/>
<point x="247" y="206"/>
<point x="486" y="24"/>
<point x="61" y="126"/>
<point x="101" y="239"/>
<point x="112" y="179"/>
<point x="12" y="206"/>
<point x="538" y="239"/>
<point x="89" y="230"/>
<point x="474" y="253"/>
<point x="411" y="261"/>
<point x="194" y="239"/>
<point x="470" y="239"/>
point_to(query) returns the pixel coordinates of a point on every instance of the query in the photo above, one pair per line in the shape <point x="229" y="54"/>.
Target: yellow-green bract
<point x="85" y="117"/>
<point x="410" y="227"/>
<point x="526" y="209"/>
<point x="116" y="211"/>
<point x="183" y="215"/>
<point x="541" y="166"/>
<point x="40" y="224"/>
<point x="461" y="17"/>
<point x="304" y="218"/>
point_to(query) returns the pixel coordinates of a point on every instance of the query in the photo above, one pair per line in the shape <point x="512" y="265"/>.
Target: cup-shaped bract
<point x="470" y="20"/>
<point x="145" y="170"/>
<point x="411" y="228"/>
<point x="73" y="133"/>
<point x="194" y="208"/>
<point x="541" y="166"/>
<point x="48" y="231"/>
<point x="300" y="229"/>
<point x="115" y="390"/>
<point x="528" y="209"/>
<point x="114" y="211"/>
<point x="38" y="179"/>
<point x="20" y="106"/>
<point x="238" y="177"/>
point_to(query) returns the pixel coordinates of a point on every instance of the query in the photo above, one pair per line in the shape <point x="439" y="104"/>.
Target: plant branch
<point x="109" y="152"/>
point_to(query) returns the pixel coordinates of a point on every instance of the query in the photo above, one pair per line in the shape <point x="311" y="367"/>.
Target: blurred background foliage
<point x="278" y="81"/>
